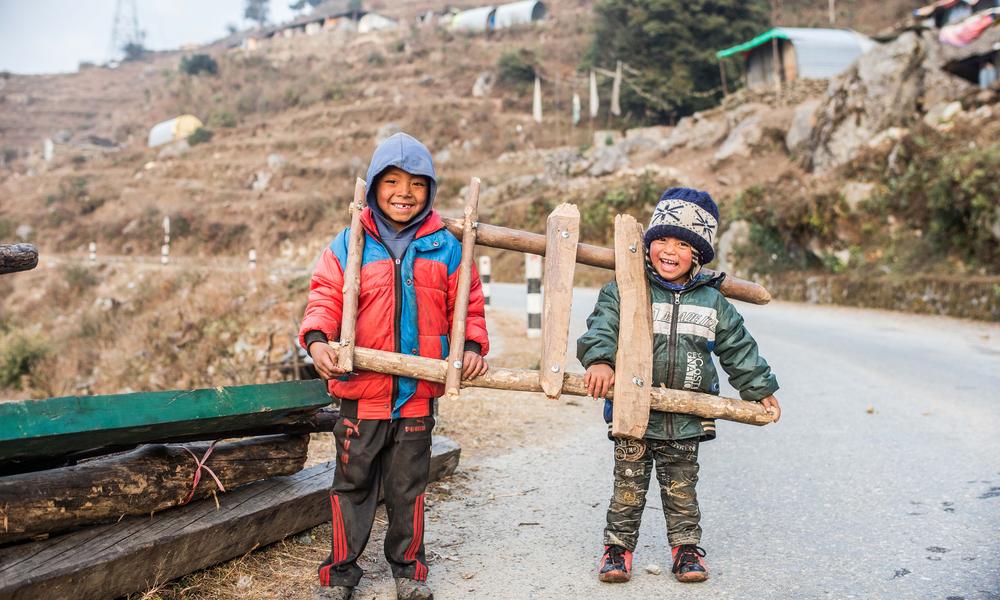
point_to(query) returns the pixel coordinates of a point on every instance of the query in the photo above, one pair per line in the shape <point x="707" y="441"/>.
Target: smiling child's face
<point x="672" y="258"/>
<point x="401" y="196"/>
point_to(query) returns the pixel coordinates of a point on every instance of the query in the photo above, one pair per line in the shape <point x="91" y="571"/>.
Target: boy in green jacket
<point x="691" y="320"/>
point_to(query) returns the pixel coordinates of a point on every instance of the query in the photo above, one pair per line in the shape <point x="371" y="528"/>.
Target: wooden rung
<point x="505" y="238"/>
<point x="522" y="380"/>
<point x="457" y="350"/>
<point x="634" y="359"/>
<point x="562" y="235"/>
<point x="352" y="279"/>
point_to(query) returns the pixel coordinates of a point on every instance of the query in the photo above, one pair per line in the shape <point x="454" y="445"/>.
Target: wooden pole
<point x="505" y="238"/>
<point x="634" y="359"/>
<point x="140" y="482"/>
<point x="17" y="257"/>
<point x="722" y="76"/>
<point x="562" y="238"/>
<point x="457" y="350"/>
<point x="522" y="380"/>
<point x="352" y="279"/>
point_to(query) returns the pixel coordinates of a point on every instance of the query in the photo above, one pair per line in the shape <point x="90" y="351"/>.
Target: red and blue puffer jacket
<point x="405" y="305"/>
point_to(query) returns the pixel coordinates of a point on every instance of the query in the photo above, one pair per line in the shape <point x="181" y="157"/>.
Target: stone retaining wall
<point x="964" y="297"/>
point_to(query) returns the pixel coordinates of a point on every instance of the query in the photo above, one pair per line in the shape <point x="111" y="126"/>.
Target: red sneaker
<point x="688" y="565"/>
<point x="616" y="565"/>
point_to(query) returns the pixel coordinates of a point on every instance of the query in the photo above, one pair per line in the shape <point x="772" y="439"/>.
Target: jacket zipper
<point x="397" y="317"/>
<point x="671" y="350"/>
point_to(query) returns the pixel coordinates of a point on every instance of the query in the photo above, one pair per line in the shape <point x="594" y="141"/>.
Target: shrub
<point x="952" y="198"/>
<point x="199" y="63"/>
<point x="19" y="353"/>
<point x="516" y="67"/>
<point x="78" y="278"/>
<point x="200" y="136"/>
<point x="222" y="118"/>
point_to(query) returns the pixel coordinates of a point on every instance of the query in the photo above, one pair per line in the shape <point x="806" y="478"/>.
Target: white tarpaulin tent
<point x="172" y="130"/>
<point x="475" y="19"/>
<point x="518" y="13"/>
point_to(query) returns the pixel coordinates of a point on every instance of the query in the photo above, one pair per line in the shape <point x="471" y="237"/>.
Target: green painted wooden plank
<point x="54" y="426"/>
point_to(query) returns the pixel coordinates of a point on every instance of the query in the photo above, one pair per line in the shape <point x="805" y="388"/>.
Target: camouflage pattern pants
<point x="676" y="464"/>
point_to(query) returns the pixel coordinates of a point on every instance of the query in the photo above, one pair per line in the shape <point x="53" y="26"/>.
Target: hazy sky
<point x="49" y="36"/>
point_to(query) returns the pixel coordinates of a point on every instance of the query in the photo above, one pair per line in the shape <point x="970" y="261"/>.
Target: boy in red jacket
<point x="409" y="283"/>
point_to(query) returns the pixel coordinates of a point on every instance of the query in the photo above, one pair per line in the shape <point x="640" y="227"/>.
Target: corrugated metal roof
<point x="819" y="53"/>
<point x="474" y="19"/>
<point x="519" y="13"/>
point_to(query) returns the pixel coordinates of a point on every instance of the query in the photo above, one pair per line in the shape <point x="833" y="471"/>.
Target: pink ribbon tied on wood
<point x="199" y="466"/>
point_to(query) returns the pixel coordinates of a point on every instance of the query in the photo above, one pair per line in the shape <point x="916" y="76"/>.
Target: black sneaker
<point x="688" y="565"/>
<point x="333" y="592"/>
<point x="411" y="589"/>
<point x="616" y="565"/>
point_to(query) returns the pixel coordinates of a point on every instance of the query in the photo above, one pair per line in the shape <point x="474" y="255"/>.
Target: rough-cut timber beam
<point x="562" y="232"/>
<point x="352" y="278"/>
<point x="17" y="257"/>
<point x="634" y="358"/>
<point x="322" y="420"/>
<point x="504" y="238"/>
<point x="30" y="429"/>
<point x="147" y="480"/>
<point x="522" y="380"/>
<point x="110" y="561"/>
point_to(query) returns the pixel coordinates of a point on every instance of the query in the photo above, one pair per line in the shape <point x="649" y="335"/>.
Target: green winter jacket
<point x="688" y="326"/>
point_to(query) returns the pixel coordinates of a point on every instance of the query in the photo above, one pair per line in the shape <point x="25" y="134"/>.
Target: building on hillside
<point x="802" y="53"/>
<point x="948" y="12"/>
<point x="173" y="130"/>
<point x="977" y="63"/>
<point x="475" y="20"/>
<point x="518" y="13"/>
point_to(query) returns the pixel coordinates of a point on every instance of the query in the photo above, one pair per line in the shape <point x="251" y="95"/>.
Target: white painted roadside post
<point x="93" y="252"/>
<point x="165" y="249"/>
<point x="253" y="259"/>
<point x="484" y="276"/>
<point x="533" y="276"/>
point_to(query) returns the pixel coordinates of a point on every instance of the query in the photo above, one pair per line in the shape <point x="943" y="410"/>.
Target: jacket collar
<point x="432" y="222"/>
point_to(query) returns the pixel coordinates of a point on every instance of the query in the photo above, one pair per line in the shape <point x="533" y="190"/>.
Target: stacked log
<point x="147" y="480"/>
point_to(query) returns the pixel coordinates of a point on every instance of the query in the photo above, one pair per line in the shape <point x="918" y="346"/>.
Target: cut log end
<point x="17" y="257"/>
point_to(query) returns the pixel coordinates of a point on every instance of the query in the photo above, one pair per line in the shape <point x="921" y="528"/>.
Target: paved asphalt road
<point x="881" y="481"/>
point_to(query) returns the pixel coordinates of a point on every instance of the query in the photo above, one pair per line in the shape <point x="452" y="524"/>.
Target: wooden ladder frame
<point x="633" y="392"/>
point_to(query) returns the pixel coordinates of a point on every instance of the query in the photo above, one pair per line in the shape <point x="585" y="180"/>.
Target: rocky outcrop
<point x="893" y="85"/>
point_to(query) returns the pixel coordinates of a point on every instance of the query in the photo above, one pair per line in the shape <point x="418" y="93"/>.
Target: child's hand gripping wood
<point x="599" y="379"/>
<point x="772" y="406"/>
<point x="325" y="359"/>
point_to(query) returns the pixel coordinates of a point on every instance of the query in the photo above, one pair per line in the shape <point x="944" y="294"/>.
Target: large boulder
<point x="606" y="160"/>
<point x="803" y="121"/>
<point x="697" y="131"/>
<point x="741" y="141"/>
<point x="888" y="87"/>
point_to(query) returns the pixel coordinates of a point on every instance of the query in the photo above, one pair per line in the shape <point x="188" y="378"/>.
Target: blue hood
<point x="403" y="152"/>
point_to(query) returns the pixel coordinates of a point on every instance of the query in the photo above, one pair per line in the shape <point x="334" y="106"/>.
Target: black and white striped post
<point x="485" y="269"/>
<point x="252" y="258"/>
<point x="533" y="275"/>
<point x="93" y="251"/>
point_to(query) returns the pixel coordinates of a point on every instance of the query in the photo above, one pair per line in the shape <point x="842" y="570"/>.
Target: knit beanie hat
<point x="686" y="214"/>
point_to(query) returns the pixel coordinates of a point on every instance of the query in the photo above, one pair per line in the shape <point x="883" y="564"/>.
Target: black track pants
<point x="397" y="454"/>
